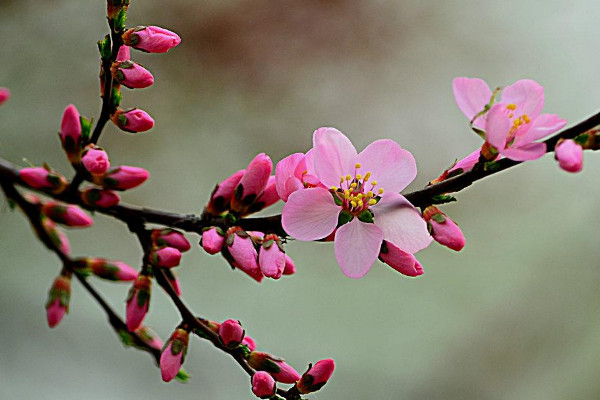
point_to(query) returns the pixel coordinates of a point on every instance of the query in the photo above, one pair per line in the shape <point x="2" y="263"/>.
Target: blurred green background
<point x="513" y="316"/>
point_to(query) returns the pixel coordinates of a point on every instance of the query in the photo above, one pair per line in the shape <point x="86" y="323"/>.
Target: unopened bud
<point x="151" y="39"/>
<point x="58" y="300"/>
<point x="221" y="197"/>
<point x="4" y="95"/>
<point x="171" y="238"/>
<point x="122" y="178"/>
<point x="316" y="377"/>
<point x="268" y="197"/>
<point x="106" y="269"/>
<point x="174" y="354"/>
<point x="443" y="229"/>
<point x="231" y="333"/>
<point x="241" y="248"/>
<point x="99" y="198"/>
<point x="289" y="268"/>
<point x="138" y="301"/>
<point x="401" y="261"/>
<point x="173" y="280"/>
<point x="68" y="215"/>
<point x="95" y="160"/>
<point x="133" y="121"/>
<point x="165" y="257"/>
<point x="277" y="367"/>
<point x="272" y="257"/>
<point x="252" y="184"/>
<point x="124" y="53"/>
<point x="149" y="337"/>
<point x="70" y="133"/>
<point x="249" y="342"/>
<point x="569" y="155"/>
<point x="43" y="178"/>
<point x="58" y="237"/>
<point x="263" y="385"/>
<point x="213" y="240"/>
<point x="131" y="74"/>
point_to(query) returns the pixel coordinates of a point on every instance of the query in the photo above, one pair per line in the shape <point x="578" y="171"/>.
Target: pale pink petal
<point x="334" y="156"/>
<point x="389" y="164"/>
<point x="527" y="95"/>
<point x="471" y="95"/>
<point x="310" y="214"/>
<point x="401" y="223"/>
<point x="542" y="126"/>
<point x="309" y="163"/>
<point x="467" y="163"/>
<point x="357" y="246"/>
<point x="531" y="151"/>
<point x="497" y="126"/>
<point x="284" y="171"/>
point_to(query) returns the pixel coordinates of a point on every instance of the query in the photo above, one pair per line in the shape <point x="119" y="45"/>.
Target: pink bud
<point x="58" y="300"/>
<point x="443" y="229"/>
<point x="173" y="280"/>
<point x="124" y="53"/>
<point x="221" y="196"/>
<point x="151" y="39"/>
<point x="263" y="385"/>
<point x="212" y="240"/>
<point x="569" y="155"/>
<point x="111" y="270"/>
<point x="244" y="254"/>
<point x="231" y="333"/>
<point x="289" y="268"/>
<point x="58" y="237"/>
<point x="41" y="178"/>
<point x="70" y="132"/>
<point x="248" y="341"/>
<point x="149" y="337"/>
<point x="4" y="95"/>
<point x="253" y="183"/>
<point x="95" y="160"/>
<point x="267" y="198"/>
<point x="272" y="257"/>
<point x="403" y="262"/>
<point x="166" y="257"/>
<point x="132" y="75"/>
<point x="138" y="301"/>
<point x="277" y="367"/>
<point x="171" y="238"/>
<point x="316" y="376"/>
<point x="68" y="215"/>
<point x="173" y="355"/>
<point x="122" y="178"/>
<point x="135" y="120"/>
<point x="99" y="198"/>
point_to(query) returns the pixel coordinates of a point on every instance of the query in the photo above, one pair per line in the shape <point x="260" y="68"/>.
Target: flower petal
<point x="542" y="126"/>
<point x="531" y="151"/>
<point x="285" y="170"/>
<point x="310" y="214"/>
<point x="527" y="95"/>
<point x="334" y="156"/>
<point x="357" y="246"/>
<point x="390" y="165"/>
<point x="401" y="223"/>
<point x="497" y="126"/>
<point x="471" y="95"/>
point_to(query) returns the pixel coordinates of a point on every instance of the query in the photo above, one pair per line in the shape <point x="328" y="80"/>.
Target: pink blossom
<point x="512" y="125"/>
<point x="166" y="257"/>
<point x="111" y="270"/>
<point x="354" y="195"/>
<point x="124" y="53"/>
<point x="69" y="215"/>
<point x="173" y="355"/>
<point x="231" y="333"/>
<point x="569" y="155"/>
<point x="316" y="376"/>
<point x="213" y="240"/>
<point x="132" y="75"/>
<point x="248" y="341"/>
<point x="122" y="178"/>
<point x="292" y="173"/>
<point x="171" y="238"/>
<point x="58" y="300"/>
<point x="99" y="198"/>
<point x="134" y="121"/>
<point x="95" y="160"/>
<point x="42" y="178"/>
<point x="241" y="248"/>
<point x="277" y="367"/>
<point x="443" y="229"/>
<point x="289" y="268"/>
<point x="271" y="258"/>
<point x="4" y="95"/>
<point x="401" y="261"/>
<point x="263" y="385"/>
<point x="221" y="196"/>
<point x="253" y="183"/>
<point x="138" y="301"/>
<point x="149" y="337"/>
<point x="151" y="39"/>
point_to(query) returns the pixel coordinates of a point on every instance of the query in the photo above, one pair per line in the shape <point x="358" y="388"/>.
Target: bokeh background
<point x="515" y="315"/>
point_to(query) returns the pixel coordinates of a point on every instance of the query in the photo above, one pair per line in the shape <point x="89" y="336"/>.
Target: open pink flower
<point x="514" y="123"/>
<point x="361" y="192"/>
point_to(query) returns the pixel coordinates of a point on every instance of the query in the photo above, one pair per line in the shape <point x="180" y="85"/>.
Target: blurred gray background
<point x="513" y="316"/>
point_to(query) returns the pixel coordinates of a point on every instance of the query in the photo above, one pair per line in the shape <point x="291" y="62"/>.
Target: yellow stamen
<point x="372" y="202"/>
<point x="526" y="118"/>
<point x="341" y="180"/>
<point x="360" y="203"/>
<point x="367" y="176"/>
<point x="358" y="176"/>
<point x="369" y="194"/>
<point x="348" y="177"/>
<point x="357" y="165"/>
<point x="353" y="203"/>
<point x="511" y="106"/>
<point x="374" y="183"/>
<point x="353" y="185"/>
<point x="334" y="188"/>
<point x="346" y="193"/>
<point x="380" y="191"/>
<point x="360" y="195"/>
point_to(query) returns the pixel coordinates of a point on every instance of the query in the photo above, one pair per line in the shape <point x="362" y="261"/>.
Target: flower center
<point x="517" y="122"/>
<point x="356" y="193"/>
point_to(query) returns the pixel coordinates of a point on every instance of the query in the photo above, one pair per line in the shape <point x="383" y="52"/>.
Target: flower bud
<point x="221" y="196"/>
<point x="58" y="237"/>
<point x="4" y="95"/>
<point x="124" y="53"/>
<point x="165" y="257"/>
<point x="268" y="197"/>
<point x="263" y="385"/>
<point x="173" y="355"/>
<point x="131" y="74"/>
<point x="316" y="377"/>
<point x="241" y="248"/>
<point x="42" y="178"/>
<point x="138" y="301"/>
<point x="252" y="184"/>
<point x="171" y="238"/>
<point x="68" y="215"/>
<point x="95" y="160"/>
<point x="443" y="229"/>
<point x="248" y="341"/>
<point x="133" y="121"/>
<point x="122" y="178"/>
<point x="213" y="240"/>
<point x="212" y="325"/>
<point x="231" y="333"/>
<point x="272" y="257"/>
<point x="58" y="300"/>
<point x="149" y="337"/>
<point x="569" y="155"/>
<point x="275" y="366"/>
<point x="106" y="269"/>
<point x="289" y="268"/>
<point x="70" y="133"/>
<point x="403" y="262"/>
<point x="114" y="7"/>
<point x="151" y="39"/>
<point x="173" y="280"/>
<point x="99" y="198"/>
